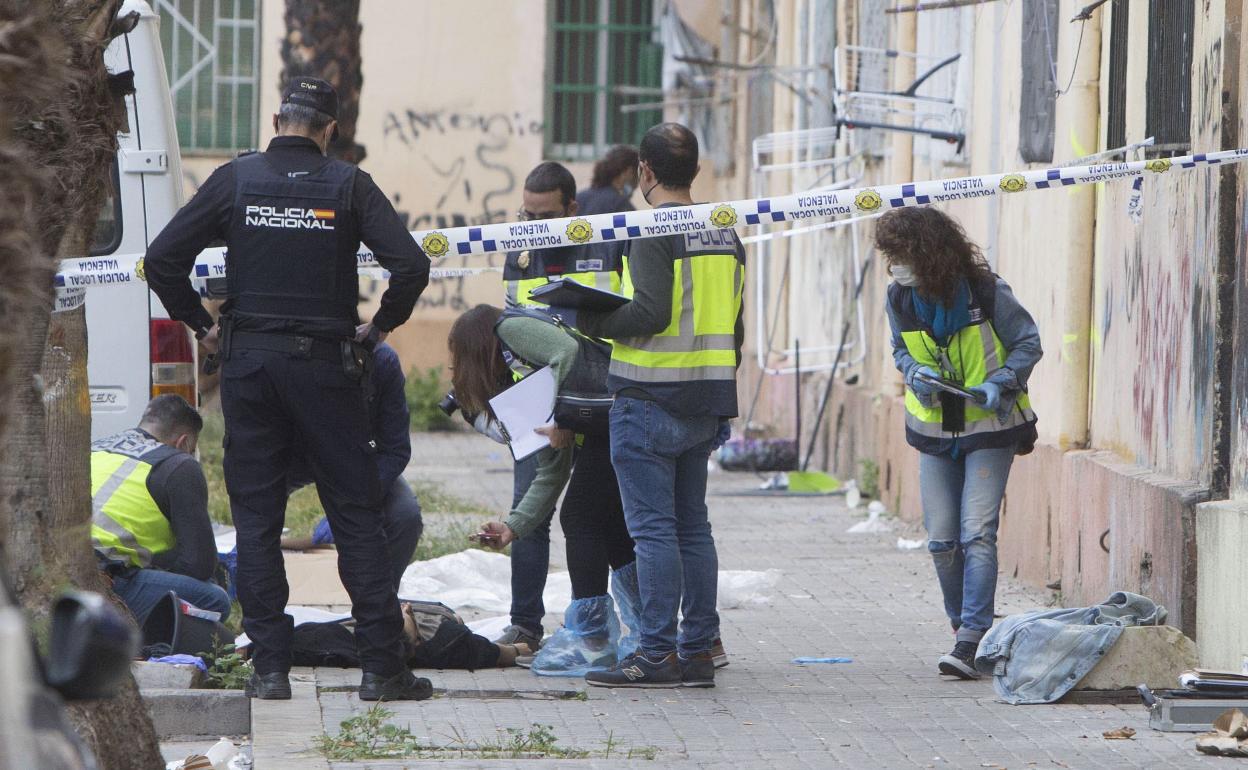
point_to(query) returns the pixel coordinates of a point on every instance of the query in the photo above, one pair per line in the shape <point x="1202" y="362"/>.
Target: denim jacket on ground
<point x="1037" y="657"/>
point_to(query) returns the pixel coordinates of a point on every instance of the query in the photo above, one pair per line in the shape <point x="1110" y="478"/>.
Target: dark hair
<point x="933" y="245"/>
<point x="476" y="358"/>
<point x="302" y="117"/>
<point x="551" y="176"/>
<point x="170" y="415"/>
<point x="671" y="151"/>
<point x="618" y="159"/>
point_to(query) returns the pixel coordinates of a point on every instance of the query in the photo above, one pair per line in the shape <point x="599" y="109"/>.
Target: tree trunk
<point x="323" y="41"/>
<point x="57" y="137"/>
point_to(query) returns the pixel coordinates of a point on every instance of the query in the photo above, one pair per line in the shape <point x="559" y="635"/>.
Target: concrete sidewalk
<point x="856" y="596"/>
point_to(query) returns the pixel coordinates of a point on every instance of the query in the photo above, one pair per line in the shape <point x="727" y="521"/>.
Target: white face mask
<point x="903" y="275"/>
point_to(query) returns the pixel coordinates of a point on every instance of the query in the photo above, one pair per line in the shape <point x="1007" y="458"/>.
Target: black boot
<point x="404" y="686"/>
<point x="273" y="686"/>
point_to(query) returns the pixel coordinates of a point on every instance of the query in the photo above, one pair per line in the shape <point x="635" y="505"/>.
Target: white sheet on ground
<point x="481" y="580"/>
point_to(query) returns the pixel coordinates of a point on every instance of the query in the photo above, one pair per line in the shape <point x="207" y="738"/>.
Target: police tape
<point x="703" y="220"/>
<point x="77" y="275"/>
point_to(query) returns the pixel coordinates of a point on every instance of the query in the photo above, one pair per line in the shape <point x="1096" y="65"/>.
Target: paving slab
<point x="856" y="596"/>
<point x="198" y="712"/>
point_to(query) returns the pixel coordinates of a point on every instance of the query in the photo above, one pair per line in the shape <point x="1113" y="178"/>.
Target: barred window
<point x="213" y="60"/>
<point x="604" y="56"/>
<point x="1168" y="110"/>
<point x="1038" y="116"/>
<point x="1116" y="121"/>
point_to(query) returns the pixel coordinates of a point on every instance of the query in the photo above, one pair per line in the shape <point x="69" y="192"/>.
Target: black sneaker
<point x="404" y="686"/>
<point x="514" y="634"/>
<point x="639" y="671"/>
<point x="274" y="686"/>
<point x="960" y="662"/>
<point x="697" y="670"/>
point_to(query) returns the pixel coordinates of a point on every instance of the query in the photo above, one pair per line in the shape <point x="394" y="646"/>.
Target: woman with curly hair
<point x="957" y="326"/>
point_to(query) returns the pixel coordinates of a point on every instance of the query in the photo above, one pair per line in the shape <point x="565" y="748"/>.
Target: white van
<point x="135" y="350"/>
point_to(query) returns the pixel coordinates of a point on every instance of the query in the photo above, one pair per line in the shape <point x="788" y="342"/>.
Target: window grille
<point x="603" y="56"/>
<point x="1168" y="110"/>
<point x="212" y="56"/>
<point x="1038" y="113"/>
<point x="1116" y="121"/>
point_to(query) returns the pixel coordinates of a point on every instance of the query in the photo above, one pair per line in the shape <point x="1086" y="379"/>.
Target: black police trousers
<point x="274" y="402"/>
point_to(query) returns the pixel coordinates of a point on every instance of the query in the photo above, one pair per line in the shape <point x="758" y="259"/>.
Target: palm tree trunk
<point x="57" y="136"/>
<point x="323" y="41"/>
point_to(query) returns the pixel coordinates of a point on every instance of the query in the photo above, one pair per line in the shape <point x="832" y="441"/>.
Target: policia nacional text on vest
<point x="279" y="223"/>
<point x="972" y="355"/>
<point x="691" y="366"/>
<point x="127" y="526"/>
<point x="596" y="264"/>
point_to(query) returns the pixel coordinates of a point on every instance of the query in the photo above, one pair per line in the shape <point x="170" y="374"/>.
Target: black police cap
<point x="314" y="93"/>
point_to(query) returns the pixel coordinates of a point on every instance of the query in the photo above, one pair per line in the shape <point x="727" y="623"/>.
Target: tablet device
<point x="950" y="386"/>
<point x="577" y="295"/>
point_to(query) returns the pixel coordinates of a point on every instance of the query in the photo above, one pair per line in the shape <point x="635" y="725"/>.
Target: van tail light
<point x="173" y="360"/>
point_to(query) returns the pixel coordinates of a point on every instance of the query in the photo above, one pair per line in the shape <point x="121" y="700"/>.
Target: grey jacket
<point x="1037" y="657"/>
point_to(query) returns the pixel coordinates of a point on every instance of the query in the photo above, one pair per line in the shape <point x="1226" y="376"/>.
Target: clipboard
<point x="949" y="386"/>
<point x="564" y="293"/>
<point x="524" y="407"/>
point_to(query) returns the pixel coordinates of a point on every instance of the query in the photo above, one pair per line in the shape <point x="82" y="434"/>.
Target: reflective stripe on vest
<point x="127" y="524"/>
<point x="700" y="341"/>
<point x="974" y="354"/>
<point x="518" y="291"/>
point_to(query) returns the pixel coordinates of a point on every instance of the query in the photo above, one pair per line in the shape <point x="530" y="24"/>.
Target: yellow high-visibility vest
<point x="127" y="525"/>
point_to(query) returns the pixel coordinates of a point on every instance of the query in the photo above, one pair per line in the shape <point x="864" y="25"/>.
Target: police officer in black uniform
<point x="295" y="361"/>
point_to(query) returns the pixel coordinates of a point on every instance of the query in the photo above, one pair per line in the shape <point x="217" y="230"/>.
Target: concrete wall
<point x="1129" y="314"/>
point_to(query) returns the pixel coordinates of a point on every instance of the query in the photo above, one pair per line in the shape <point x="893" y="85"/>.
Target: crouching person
<point x="150" y="526"/>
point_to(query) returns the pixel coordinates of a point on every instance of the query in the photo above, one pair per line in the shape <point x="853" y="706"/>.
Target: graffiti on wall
<point x="470" y="164"/>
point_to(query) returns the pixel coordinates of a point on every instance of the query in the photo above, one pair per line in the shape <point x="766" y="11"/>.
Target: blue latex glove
<point x="992" y="395"/>
<point x="922" y="389"/>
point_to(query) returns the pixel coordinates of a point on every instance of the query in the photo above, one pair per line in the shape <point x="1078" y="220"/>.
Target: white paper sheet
<point x="523" y="408"/>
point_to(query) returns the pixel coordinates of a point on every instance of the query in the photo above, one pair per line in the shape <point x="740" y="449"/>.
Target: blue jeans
<point x="143" y="589"/>
<point x="660" y="460"/>
<point x="530" y="556"/>
<point x="961" y="510"/>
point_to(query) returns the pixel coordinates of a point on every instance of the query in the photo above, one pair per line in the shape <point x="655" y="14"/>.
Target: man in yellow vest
<point x="549" y="193"/>
<point x="150" y="528"/>
<point x="676" y="348"/>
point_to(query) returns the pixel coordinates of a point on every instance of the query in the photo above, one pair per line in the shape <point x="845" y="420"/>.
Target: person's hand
<point x="494" y="534"/>
<point x="992" y="395"/>
<point x="559" y="437"/>
<point x="369" y="335"/>
<point x="212" y="340"/>
<point x="920" y="388"/>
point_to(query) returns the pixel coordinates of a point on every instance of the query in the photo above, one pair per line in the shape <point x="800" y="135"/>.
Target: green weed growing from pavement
<point x="303" y="509"/>
<point x="371" y="736"/>
<point x="226" y="668"/>
<point x="869" y="479"/>
<point x="424" y="390"/>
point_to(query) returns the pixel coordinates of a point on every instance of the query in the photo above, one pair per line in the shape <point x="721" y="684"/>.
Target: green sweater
<point x="541" y="344"/>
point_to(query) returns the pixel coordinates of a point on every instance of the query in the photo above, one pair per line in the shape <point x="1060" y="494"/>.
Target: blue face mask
<point x="903" y="275"/>
<point x="627" y="190"/>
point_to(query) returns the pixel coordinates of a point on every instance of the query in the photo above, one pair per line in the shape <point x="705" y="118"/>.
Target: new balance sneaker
<point x="718" y="656"/>
<point x="514" y="634"/>
<point x="960" y="662"/>
<point x="639" y="671"/>
<point x="697" y="670"/>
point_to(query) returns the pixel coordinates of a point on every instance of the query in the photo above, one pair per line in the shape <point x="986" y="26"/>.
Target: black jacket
<point x="208" y="217"/>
